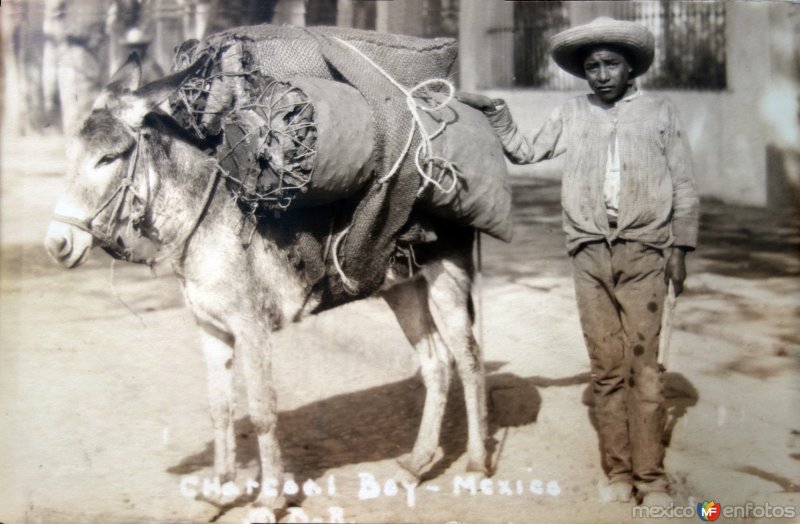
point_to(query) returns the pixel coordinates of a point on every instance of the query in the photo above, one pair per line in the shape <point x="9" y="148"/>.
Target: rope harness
<point x="424" y="158"/>
<point x="126" y="196"/>
<point x="432" y="169"/>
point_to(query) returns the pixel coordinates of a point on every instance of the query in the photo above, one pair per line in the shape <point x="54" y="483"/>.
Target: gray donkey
<point x="133" y="169"/>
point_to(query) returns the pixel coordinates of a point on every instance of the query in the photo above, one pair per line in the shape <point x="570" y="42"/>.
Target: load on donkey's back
<point x="303" y="117"/>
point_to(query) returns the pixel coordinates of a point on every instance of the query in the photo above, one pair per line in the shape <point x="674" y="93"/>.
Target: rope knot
<point x="418" y="99"/>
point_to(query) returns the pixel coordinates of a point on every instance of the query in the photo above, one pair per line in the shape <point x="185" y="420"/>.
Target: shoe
<point x="620" y="491"/>
<point x="657" y="499"/>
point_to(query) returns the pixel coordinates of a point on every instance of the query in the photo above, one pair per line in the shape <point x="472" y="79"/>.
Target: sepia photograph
<point x="399" y="261"/>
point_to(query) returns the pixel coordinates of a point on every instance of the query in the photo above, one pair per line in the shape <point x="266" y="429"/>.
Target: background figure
<point x="137" y="42"/>
<point x="77" y="30"/>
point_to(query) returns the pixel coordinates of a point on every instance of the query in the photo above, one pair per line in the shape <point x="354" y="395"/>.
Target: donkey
<point x="132" y="168"/>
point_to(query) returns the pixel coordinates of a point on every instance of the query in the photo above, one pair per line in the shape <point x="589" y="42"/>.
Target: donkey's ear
<point x="133" y="107"/>
<point x="128" y="77"/>
<point x="159" y="90"/>
<point x="124" y="81"/>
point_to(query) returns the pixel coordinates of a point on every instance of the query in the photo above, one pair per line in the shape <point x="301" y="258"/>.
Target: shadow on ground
<point x="749" y="242"/>
<point x="375" y="424"/>
<point x="381" y="423"/>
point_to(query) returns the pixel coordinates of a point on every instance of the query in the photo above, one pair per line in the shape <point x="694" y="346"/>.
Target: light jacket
<point x="658" y="204"/>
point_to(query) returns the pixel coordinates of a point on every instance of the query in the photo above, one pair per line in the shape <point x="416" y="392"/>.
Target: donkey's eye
<point x="106" y="159"/>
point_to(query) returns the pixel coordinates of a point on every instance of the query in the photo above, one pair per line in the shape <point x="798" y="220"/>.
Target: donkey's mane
<point x="164" y="135"/>
<point x="164" y="123"/>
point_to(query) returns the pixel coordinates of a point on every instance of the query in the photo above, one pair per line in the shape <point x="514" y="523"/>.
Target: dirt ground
<point x="103" y="410"/>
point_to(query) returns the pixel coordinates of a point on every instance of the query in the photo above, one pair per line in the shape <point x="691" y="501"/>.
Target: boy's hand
<point x="480" y="102"/>
<point x="676" y="269"/>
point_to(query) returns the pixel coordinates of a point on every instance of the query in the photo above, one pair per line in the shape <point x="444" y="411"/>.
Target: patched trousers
<point x="620" y="290"/>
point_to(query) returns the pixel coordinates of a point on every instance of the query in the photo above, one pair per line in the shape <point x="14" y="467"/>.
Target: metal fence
<point x="689" y="39"/>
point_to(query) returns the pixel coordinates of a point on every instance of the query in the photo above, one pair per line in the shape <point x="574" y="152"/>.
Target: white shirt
<point x="611" y="184"/>
<point x="612" y="180"/>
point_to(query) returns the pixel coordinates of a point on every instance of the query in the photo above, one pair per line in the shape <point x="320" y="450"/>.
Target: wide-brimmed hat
<point x="634" y="40"/>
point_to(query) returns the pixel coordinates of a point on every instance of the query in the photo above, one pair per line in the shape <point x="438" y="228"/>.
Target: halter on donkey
<point x="127" y="196"/>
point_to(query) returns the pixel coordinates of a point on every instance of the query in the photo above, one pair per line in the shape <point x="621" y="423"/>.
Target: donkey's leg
<point x="449" y="289"/>
<point x="409" y="303"/>
<point x="218" y="352"/>
<point x="253" y="347"/>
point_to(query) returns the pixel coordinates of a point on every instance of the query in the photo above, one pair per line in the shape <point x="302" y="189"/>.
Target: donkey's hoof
<point x="405" y="475"/>
<point x="227" y="496"/>
<point x="479" y="469"/>
<point x="417" y="467"/>
<point x="276" y="504"/>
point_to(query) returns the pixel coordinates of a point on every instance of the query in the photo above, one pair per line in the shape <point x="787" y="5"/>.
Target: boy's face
<point x="607" y="72"/>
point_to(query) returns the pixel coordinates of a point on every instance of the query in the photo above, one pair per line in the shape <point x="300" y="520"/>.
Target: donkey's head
<point x="109" y="185"/>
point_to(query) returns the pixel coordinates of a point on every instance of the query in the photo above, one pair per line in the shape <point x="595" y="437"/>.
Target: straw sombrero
<point x="635" y="40"/>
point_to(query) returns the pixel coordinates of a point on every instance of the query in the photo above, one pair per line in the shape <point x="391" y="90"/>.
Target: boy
<point x="630" y="214"/>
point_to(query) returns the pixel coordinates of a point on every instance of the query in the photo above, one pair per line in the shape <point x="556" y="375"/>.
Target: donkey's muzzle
<point x="67" y="245"/>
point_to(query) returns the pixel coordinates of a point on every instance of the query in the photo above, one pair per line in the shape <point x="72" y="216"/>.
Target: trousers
<point x="620" y="291"/>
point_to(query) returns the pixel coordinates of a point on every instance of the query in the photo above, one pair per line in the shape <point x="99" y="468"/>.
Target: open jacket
<point x="658" y="205"/>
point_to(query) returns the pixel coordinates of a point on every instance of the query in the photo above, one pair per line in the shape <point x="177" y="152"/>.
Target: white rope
<point x="424" y="159"/>
<point x="425" y="149"/>
<point x="349" y="285"/>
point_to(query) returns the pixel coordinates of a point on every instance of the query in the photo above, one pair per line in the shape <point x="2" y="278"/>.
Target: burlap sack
<point x="284" y="52"/>
<point x="481" y="196"/>
<point x="383" y="210"/>
<point x="345" y="140"/>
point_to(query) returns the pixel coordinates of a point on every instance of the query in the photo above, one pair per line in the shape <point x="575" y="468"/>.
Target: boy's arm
<point x="685" y="203"/>
<point x="517" y="148"/>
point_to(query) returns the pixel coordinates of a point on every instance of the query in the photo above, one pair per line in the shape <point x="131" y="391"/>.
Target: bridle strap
<point x="108" y="244"/>
<point x="121" y="191"/>
<point x="104" y="234"/>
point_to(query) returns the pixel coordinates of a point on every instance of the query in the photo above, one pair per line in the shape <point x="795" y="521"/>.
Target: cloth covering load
<point x="311" y="116"/>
